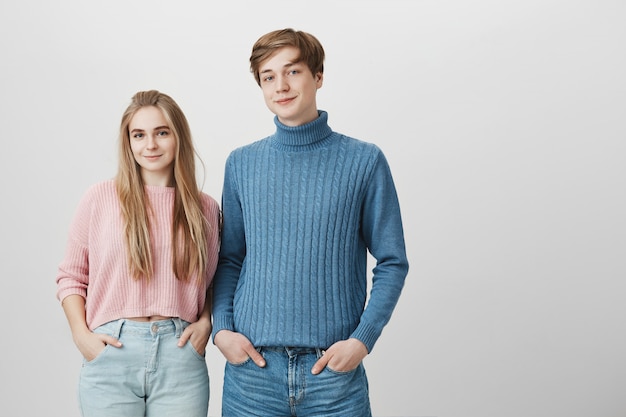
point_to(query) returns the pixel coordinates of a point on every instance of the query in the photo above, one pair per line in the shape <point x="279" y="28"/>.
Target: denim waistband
<point x="173" y="325"/>
<point x="295" y="350"/>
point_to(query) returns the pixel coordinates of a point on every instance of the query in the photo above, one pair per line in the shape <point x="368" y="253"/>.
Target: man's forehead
<point x="283" y="57"/>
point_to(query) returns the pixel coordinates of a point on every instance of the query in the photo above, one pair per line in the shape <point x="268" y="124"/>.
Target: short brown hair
<point x="311" y="50"/>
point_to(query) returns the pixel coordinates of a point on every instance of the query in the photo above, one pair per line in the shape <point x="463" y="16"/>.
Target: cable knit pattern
<point x="96" y="263"/>
<point x="301" y="208"/>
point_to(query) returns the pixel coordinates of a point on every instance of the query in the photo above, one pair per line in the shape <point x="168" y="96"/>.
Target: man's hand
<point x="342" y="356"/>
<point x="236" y="348"/>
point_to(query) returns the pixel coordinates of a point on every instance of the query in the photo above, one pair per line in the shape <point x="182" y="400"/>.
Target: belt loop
<point x="118" y="328"/>
<point x="319" y="352"/>
<point x="178" y="323"/>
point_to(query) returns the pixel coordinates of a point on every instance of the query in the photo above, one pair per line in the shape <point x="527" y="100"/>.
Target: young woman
<point x="135" y="280"/>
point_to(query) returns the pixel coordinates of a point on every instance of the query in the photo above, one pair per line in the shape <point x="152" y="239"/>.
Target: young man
<point x="301" y="208"/>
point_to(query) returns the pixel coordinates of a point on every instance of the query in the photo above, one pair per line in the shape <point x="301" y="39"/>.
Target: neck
<point x="157" y="179"/>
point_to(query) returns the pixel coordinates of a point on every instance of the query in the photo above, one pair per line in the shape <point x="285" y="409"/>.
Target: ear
<point x="319" y="79"/>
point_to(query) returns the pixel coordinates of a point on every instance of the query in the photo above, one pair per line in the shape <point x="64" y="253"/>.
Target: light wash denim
<point x="148" y="376"/>
<point x="286" y="387"/>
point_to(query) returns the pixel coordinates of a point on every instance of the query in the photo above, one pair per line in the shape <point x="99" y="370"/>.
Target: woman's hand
<point x="91" y="344"/>
<point x="198" y="334"/>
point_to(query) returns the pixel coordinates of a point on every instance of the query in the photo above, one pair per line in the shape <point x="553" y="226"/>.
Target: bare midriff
<point x="149" y="318"/>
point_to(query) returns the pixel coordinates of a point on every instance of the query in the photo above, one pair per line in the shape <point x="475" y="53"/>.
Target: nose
<point x="281" y="84"/>
<point x="152" y="143"/>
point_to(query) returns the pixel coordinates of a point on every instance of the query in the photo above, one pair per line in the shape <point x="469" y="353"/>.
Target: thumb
<point x="256" y="356"/>
<point x="110" y="340"/>
<point x="320" y="364"/>
<point x="184" y="337"/>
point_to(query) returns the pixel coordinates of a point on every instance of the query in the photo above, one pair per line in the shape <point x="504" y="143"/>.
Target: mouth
<point x="284" y="100"/>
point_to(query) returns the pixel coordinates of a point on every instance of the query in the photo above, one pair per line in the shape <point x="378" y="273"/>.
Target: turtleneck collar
<point x="309" y="136"/>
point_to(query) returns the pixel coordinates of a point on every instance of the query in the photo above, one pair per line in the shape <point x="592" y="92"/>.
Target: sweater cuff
<point x="62" y="294"/>
<point x="367" y="334"/>
<point x="222" y="323"/>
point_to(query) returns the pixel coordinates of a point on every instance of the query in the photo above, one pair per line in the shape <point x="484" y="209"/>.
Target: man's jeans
<point x="286" y="387"/>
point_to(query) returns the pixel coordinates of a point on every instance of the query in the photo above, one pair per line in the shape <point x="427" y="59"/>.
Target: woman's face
<point x="153" y="145"/>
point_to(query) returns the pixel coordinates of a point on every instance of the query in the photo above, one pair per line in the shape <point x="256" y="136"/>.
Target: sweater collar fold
<point x="309" y="136"/>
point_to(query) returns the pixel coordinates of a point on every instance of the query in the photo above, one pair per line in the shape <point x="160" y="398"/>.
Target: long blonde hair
<point x="189" y="226"/>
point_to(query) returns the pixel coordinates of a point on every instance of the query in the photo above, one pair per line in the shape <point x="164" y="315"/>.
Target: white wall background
<point x="503" y="122"/>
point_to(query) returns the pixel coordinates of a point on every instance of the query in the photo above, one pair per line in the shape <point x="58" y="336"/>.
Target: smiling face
<point x="153" y="145"/>
<point x="289" y="87"/>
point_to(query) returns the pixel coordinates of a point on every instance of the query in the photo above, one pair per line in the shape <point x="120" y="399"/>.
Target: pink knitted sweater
<point x="96" y="268"/>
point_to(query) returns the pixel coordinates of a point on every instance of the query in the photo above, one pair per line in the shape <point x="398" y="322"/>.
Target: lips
<point x="285" y="100"/>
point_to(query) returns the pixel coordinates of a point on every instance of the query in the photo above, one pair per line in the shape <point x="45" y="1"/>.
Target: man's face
<point x="289" y="87"/>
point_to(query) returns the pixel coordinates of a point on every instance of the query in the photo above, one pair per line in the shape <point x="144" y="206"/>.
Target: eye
<point x="138" y="135"/>
<point x="268" y="78"/>
<point x="293" y="72"/>
<point x="163" y="133"/>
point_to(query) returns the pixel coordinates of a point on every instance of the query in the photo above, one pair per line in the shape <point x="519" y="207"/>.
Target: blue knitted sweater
<point x="301" y="208"/>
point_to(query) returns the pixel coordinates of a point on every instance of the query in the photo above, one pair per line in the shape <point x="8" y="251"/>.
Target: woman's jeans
<point x="286" y="387"/>
<point x="148" y="376"/>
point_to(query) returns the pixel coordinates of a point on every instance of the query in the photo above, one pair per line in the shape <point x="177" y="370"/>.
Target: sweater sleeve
<point x="383" y="234"/>
<point x="213" y="216"/>
<point x="232" y="253"/>
<point x="73" y="273"/>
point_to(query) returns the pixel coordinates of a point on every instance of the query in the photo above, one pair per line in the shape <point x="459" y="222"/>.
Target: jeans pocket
<point x="189" y="346"/>
<point x="98" y="356"/>
<point x="245" y="361"/>
<point x="332" y="371"/>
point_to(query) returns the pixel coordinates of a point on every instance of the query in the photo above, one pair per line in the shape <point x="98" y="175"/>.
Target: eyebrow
<point x="156" y="128"/>
<point x="287" y="65"/>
